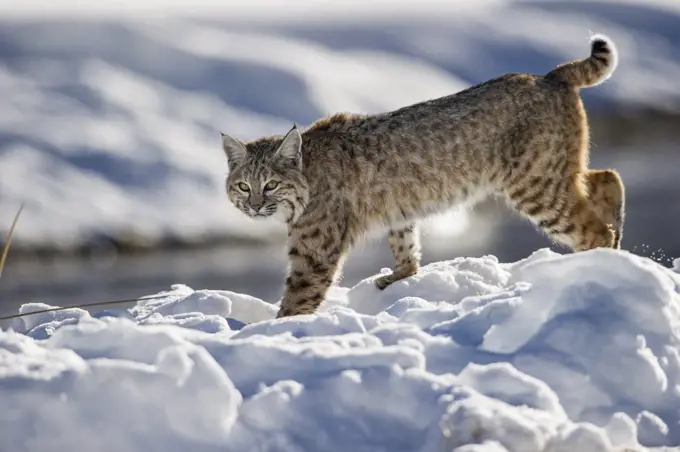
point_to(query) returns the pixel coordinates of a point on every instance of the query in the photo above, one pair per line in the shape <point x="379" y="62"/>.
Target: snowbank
<point x="578" y="352"/>
<point x="109" y="123"/>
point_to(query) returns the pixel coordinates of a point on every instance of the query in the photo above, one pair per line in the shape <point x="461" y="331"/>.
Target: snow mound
<point x="577" y="352"/>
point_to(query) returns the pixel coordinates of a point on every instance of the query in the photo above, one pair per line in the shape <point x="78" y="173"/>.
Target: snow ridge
<point x="577" y="352"/>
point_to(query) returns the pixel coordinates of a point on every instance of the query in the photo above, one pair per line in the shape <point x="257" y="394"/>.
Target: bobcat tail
<point x="591" y="71"/>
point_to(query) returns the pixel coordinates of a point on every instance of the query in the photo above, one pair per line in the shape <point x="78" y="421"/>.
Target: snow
<point x="113" y="111"/>
<point x="550" y="353"/>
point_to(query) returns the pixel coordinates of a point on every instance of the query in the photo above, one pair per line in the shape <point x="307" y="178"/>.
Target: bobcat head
<point x="265" y="176"/>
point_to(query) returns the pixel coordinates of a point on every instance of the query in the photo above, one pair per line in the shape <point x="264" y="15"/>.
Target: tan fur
<point x="606" y="191"/>
<point x="520" y="137"/>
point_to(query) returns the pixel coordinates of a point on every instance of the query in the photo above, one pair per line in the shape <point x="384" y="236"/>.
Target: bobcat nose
<point x="256" y="202"/>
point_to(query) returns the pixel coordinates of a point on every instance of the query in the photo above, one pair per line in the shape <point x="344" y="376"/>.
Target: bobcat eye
<point x="271" y="185"/>
<point x="243" y="186"/>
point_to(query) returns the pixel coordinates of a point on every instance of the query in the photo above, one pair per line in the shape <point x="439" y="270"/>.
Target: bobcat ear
<point x="235" y="150"/>
<point x="291" y="147"/>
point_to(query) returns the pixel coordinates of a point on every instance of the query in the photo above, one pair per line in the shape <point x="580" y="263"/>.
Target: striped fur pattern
<point x="520" y="137"/>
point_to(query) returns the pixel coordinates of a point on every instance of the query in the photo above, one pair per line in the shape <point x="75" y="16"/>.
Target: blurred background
<point x="110" y="121"/>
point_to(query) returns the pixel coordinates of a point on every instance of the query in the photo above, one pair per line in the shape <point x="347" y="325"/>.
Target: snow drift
<point x="579" y="352"/>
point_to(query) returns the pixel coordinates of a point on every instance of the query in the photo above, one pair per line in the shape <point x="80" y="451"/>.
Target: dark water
<point x="258" y="271"/>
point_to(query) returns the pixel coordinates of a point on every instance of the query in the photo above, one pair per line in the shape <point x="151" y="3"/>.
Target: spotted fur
<point x="520" y="137"/>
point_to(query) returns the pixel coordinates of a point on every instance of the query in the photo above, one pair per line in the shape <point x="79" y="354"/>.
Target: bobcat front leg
<point x="405" y="245"/>
<point x="315" y="257"/>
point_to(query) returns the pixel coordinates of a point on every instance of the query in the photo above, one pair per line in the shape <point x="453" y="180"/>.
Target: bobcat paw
<point x="384" y="281"/>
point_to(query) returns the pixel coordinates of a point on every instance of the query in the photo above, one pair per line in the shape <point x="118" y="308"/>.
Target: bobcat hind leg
<point x="607" y="195"/>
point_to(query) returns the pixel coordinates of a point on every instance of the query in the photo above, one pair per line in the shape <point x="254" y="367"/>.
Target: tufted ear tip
<point x="294" y="133"/>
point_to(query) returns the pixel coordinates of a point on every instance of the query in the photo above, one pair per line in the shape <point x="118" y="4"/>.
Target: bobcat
<point x="521" y="137"/>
